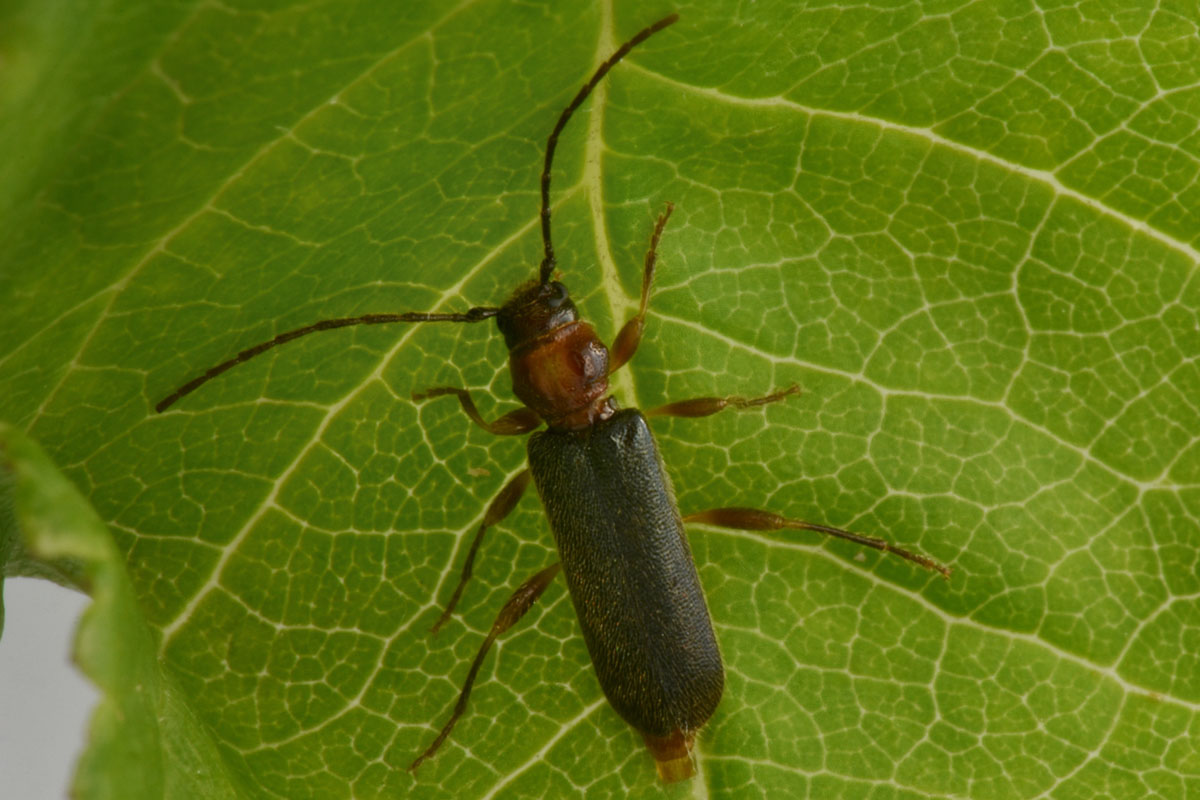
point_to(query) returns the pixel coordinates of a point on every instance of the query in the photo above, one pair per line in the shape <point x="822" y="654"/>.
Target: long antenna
<point x="472" y="315"/>
<point x="548" y="261"/>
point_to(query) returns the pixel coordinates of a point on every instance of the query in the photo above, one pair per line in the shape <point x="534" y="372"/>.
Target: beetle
<point x="617" y="528"/>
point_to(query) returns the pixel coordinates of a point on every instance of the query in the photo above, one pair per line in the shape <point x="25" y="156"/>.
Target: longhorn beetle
<point x="619" y="534"/>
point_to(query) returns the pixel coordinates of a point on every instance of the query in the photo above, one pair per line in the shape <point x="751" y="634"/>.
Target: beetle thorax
<point x="559" y="366"/>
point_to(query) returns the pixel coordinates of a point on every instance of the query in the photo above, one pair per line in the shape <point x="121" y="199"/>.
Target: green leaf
<point x="969" y="232"/>
<point x="144" y="738"/>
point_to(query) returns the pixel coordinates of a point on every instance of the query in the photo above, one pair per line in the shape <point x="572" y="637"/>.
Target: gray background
<point x="45" y="701"/>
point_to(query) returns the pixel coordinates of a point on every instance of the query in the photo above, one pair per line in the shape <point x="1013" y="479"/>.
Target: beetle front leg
<point x="752" y="519"/>
<point x="516" y="607"/>
<point x="514" y="423"/>
<point x="500" y="508"/>
<point x="626" y="343"/>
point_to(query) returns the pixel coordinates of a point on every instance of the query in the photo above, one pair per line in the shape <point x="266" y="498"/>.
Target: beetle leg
<point x="626" y="343"/>
<point x="520" y="602"/>
<point x="705" y="406"/>
<point x="500" y="508"/>
<point x="522" y="420"/>
<point x="751" y="519"/>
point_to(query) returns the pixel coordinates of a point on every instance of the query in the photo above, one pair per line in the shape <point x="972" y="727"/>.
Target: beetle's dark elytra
<point x="620" y="538"/>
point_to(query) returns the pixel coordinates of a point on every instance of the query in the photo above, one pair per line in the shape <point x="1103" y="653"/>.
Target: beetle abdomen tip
<point x="672" y="755"/>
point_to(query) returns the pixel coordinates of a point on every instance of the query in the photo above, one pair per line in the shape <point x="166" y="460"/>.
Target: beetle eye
<point x="557" y="295"/>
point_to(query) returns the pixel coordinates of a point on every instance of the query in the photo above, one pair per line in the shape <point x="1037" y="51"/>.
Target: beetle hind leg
<point x="752" y="519"/>
<point x="516" y="607"/>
